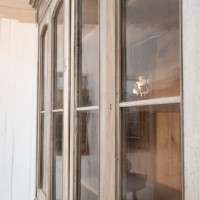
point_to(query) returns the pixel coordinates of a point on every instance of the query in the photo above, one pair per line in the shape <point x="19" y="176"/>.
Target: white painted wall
<point x="18" y="66"/>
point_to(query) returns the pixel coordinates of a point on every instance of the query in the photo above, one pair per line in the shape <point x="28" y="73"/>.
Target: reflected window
<point x="151" y="56"/>
<point x="57" y="155"/>
<point x="59" y="60"/>
<point x="88" y="66"/>
<point x="88" y="99"/>
<point x="57" y="104"/>
<point x="88" y="155"/>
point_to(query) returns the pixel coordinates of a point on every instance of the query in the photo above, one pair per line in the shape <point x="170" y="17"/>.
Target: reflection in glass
<point x="43" y="153"/>
<point x="151" y="167"/>
<point x="57" y="155"/>
<point x="58" y="86"/>
<point x="88" y="66"/>
<point x="88" y="155"/>
<point x="151" y="49"/>
<point x="59" y="60"/>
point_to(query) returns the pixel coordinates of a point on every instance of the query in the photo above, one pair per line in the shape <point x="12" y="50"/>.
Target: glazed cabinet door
<point x="57" y="108"/>
<point x="42" y="133"/>
<point x="150" y="107"/>
<point x="51" y="103"/>
<point x="84" y="163"/>
<point x="126" y="117"/>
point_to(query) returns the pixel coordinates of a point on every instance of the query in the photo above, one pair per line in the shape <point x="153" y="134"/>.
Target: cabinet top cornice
<point x="35" y="3"/>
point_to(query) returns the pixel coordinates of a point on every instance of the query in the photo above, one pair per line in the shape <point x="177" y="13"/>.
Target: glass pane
<point x="43" y="153"/>
<point x="59" y="61"/>
<point x="151" y="164"/>
<point x="88" y="156"/>
<point x="151" y="49"/>
<point x="88" y="66"/>
<point x="57" y="155"/>
<point x="43" y="72"/>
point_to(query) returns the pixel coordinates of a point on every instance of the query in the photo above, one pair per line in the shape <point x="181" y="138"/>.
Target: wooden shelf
<point x="148" y="102"/>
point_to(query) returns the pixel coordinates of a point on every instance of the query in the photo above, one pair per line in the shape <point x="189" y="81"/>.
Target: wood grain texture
<point x="168" y="150"/>
<point x="73" y="54"/>
<point x="191" y="97"/>
<point x="46" y="21"/>
<point x="49" y="117"/>
<point x="18" y="109"/>
<point x="107" y="100"/>
<point x="67" y="79"/>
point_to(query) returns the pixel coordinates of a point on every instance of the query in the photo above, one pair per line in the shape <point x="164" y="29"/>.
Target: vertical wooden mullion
<point x="73" y="99"/>
<point x="107" y="100"/>
<point x="122" y="142"/>
<point x="118" y="148"/>
<point x="122" y="33"/>
<point x="54" y="60"/>
<point x="79" y="51"/>
<point x="66" y="97"/>
<point x="78" y="158"/>
<point x="181" y="14"/>
<point x="53" y="51"/>
<point x="75" y="118"/>
<point x="48" y="107"/>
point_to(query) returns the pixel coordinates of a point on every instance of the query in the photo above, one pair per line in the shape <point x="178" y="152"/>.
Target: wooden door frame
<point x="47" y="19"/>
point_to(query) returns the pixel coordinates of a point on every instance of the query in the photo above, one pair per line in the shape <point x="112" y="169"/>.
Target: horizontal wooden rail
<point x="87" y="108"/>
